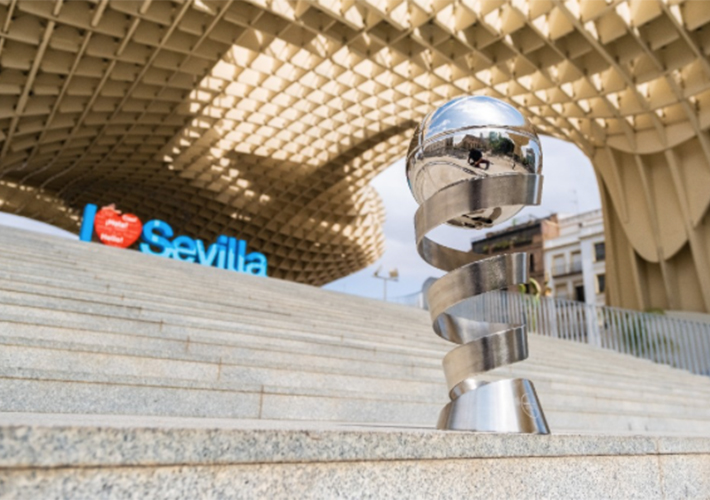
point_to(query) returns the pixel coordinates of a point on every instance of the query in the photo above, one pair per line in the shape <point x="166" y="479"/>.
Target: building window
<point x="579" y="292"/>
<point x="576" y="262"/>
<point x="601" y="283"/>
<point x="558" y="265"/>
<point x="561" y="291"/>
<point x="532" y="263"/>
<point x="599" y="252"/>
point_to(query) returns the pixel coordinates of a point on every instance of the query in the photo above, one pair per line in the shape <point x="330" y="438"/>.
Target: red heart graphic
<point x="117" y="230"/>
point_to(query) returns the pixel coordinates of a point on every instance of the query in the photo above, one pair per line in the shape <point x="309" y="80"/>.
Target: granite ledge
<point x="64" y="440"/>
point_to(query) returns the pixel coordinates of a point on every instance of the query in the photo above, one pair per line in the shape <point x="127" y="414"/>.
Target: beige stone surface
<point x="100" y="456"/>
<point x="559" y="478"/>
<point x="685" y="476"/>
<point x="89" y="329"/>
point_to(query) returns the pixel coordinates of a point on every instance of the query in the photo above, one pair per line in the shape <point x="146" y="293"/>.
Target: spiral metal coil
<point x="505" y="405"/>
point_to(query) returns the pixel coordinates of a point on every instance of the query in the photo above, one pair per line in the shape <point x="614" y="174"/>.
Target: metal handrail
<point x="659" y="338"/>
<point x="413" y="299"/>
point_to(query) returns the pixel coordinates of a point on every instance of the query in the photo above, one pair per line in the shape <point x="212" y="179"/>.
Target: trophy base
<point x="503" y="406"/>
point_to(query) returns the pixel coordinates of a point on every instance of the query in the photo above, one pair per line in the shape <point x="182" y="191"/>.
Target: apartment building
<point x="575" y="258"/>
<point x="526" y="237"/>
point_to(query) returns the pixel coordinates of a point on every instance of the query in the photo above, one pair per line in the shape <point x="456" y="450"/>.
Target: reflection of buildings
<point x="575" y="258"/>
<point x="565" y="255"/>
<point x="528" y="237"/>
<point x="440" y="148"/>
<point x="470" y="142"/>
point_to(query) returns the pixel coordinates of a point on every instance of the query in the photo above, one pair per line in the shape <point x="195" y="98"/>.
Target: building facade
<point x="575" y="259"/>
<point x="528" y="237"/>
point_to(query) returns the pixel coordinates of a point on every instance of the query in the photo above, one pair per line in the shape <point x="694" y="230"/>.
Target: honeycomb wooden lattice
<point x="267" y="119"/>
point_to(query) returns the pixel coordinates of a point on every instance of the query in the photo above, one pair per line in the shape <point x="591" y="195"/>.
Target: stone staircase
<point x="88" y="329"/>
<point x="124" y="375"/>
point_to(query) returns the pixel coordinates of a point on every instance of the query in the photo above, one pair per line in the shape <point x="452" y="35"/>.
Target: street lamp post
<point x="393" y="276"/>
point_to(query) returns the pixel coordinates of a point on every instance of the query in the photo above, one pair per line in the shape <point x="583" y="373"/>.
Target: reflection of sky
<point x="473" y="112"/>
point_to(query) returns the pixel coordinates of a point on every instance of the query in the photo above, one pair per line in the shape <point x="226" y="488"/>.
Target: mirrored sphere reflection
<point x="472" y="136"/>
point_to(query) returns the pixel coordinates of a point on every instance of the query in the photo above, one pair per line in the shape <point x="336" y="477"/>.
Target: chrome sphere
<point x="472" y="136"/>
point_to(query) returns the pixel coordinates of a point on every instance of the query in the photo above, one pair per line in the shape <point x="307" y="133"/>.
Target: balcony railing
<point x="563" y="269"/>
<point x="671" y="341"/>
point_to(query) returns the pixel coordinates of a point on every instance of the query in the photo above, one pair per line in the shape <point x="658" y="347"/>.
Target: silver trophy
<point x="473" y="163"/>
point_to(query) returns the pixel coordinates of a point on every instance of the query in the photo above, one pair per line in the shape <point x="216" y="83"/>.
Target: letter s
<point x="153" y="232"/>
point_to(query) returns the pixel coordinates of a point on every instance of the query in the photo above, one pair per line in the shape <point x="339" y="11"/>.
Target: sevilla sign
<point x="117" y="229"/>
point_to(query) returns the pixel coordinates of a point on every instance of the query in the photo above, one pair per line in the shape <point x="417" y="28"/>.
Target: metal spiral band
<point x="505" y="405"/>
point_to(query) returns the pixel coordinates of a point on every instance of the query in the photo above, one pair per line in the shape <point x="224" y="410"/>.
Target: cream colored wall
<point x="656" y="208"/>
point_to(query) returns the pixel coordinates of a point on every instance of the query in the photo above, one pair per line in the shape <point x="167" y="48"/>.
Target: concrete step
<point x="200" y="369"/>
<point x="142" y="315"/>
<point x="87" y="329"/>
<point x="257" y="348"/>
<point x="186" y="296"/>
<point x="55" y="391"/>
<point x="194" y="317"/>
<point x="115" y="273"/>
<point x="131" y="362"/>
<point x="185" y="457"/>
<point x="406" y="365"/>
<point x="659" y="366"/>
<point x="73" y="392"/>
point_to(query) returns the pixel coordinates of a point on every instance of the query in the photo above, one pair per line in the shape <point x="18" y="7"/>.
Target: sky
<point x="569" y="187"/>
<point x="33" y="225"/>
